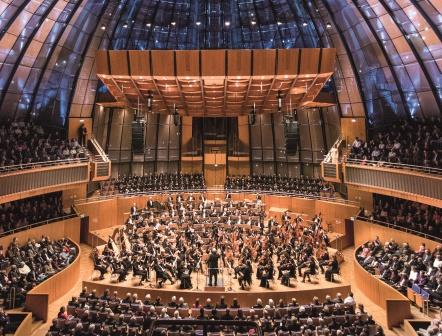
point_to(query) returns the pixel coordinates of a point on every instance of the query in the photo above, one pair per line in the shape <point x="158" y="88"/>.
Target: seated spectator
<point x="401" y="267"/>
<point x="27" y="211"/>
<point x="24" y="267"/>
<point x="24" y="143"/>
<point x="334" y="319"/>
<point x="407" y="214"/>
<point x="153" y="182"/>
<point x="412" y="142"/>
<point x="301" y="185"/>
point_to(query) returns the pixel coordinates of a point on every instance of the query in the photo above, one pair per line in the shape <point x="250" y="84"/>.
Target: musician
<point x="161" y="274"/>
<point x="285" y="217"/>
<point x="311" y="269"/>
<point x="212" y="264"/>
<point x="333" y="268"/>
<point x="139" y="268"/>
<point x="149" y="204"/>
<point x="133" y="209"/>
<point x="245" y="272"/>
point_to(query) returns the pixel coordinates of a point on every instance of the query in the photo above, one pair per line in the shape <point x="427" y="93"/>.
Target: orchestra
<point x="178" y="237"/>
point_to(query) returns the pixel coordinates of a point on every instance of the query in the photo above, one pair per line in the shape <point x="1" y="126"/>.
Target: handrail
<point x="337" y="144"/>
<point x="100" y="151"/>
<point x="400" y="228"/>
<point x="231" y="191"/>
<point x="41" y="164"/>
<point x="422" y="169"/>
<point x="33" y="225"/>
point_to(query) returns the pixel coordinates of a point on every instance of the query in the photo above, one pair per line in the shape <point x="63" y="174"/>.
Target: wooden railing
<point x="100" y="162"/>
<point x="41" y="296"/>
<point x="387" y="179"/>
<point x="396" y="305"/>
<point x="17" y="184"/>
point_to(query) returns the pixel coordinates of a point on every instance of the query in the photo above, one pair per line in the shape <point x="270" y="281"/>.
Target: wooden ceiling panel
<point x="163" y="63"/>
<point x="264" y="62"/>
<point x="118" y="63"/>
<point x="213" y="63"/>
<point x="187" y="63"/>
<point x="231" y="82"/>
<point x="139" y="63"/>
<point x="239" y="63"/>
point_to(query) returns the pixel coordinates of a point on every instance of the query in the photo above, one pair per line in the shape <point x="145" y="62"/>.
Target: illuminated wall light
<point x="227" y="23"/>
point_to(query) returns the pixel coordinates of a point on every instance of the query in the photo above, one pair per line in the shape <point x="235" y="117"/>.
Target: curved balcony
<point x="415" y="183"/>
<point x="28" y="180"/>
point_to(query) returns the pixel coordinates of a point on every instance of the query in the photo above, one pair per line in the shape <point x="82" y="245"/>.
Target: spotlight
<point x="148" y="24"/>
<point x="125" y="25"/>
<point x="198" y="23"/>
<point x="279" y="97"/>
<point x="173" y="23"/>
<point x="176" y="116"/>
<point x="252" y="116"/>
<point x="328" y="25"/>
<point x="304" y="24"/>
<point x="103" y="27"/>
<point x="253" y="23"/>
<point x="149" y="101"/>
<point x="227" y="23"/>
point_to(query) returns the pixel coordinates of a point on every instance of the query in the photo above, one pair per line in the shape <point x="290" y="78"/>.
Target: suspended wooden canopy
<point x="216" y="82"/>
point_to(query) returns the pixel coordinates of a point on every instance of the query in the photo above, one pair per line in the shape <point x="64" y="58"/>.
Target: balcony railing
<point x="415" y="183"/>
<point x="401" y="228"/>
<point x="33" y="165"/>
<point x="420" y="169"/>
<point x="42" y="178"/>
<point x="33" y="225"/>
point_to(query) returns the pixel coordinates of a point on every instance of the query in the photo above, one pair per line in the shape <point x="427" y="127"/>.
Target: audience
<point x="401" y="267"/>
<point x="411" y="215"/>
<point x="153" y="182"/>
<point x="91" y="314"/>
<point x="434" y="329"/>
<point x="24" y="142"/>
<point x="412" y="142"/>
<point x="302" y="185"/>
<point x="16" y="214"/>
<point x="24" y="267"/>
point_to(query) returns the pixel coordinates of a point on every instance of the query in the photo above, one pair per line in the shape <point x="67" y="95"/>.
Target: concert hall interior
<point x="221" y="167"/>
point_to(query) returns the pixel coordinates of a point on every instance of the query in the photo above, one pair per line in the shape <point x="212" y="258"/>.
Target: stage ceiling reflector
<point x="216" y="82"/>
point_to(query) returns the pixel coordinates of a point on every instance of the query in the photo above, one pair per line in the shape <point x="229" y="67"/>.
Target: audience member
<point x="27" y="211"/>
<point x="401" y="267"/>
<point x="302" y="185"/>
<point x="412" y="142"/>
<point x="410" y="215"/>
<point x="100" y="316"/>
<point x="153" y="182"/>
<point x="24" y="142"/>
<point x="24" y="267"/>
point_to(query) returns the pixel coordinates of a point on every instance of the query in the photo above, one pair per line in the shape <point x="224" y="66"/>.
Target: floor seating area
<point x="110" y="314"/>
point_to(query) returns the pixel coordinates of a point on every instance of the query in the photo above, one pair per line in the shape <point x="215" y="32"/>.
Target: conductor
<point x="212" y="264"/>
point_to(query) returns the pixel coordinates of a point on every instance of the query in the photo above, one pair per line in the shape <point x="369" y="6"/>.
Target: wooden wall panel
<point x="119" y="62"/>
<point x="288" y="61"/>
<point x="163" y="63"/>
<point x="335" y="214"/>
<point x="353" y="127"/>
<point x="186" y="132"/>
<point x="328" y="59"/>
<point x="102" y="62"/>
<point x="309" y="61"/>
<point x="139" y="63"/>
<point x="365" y="199"/>
<point x="40" y="297"/>
<point x="55" y="230"/>
<point x="244" y="298"/>
<point x="239" y="63"/>
<point x="187" y="63"/>
<point x="25" y="327"/>
<point x="213" y="63"/>
<point x="264" y="62"/>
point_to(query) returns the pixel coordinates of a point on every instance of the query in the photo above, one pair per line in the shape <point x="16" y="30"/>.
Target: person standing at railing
<point x="334" y="153"/>
<point x="82" y="134"/>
